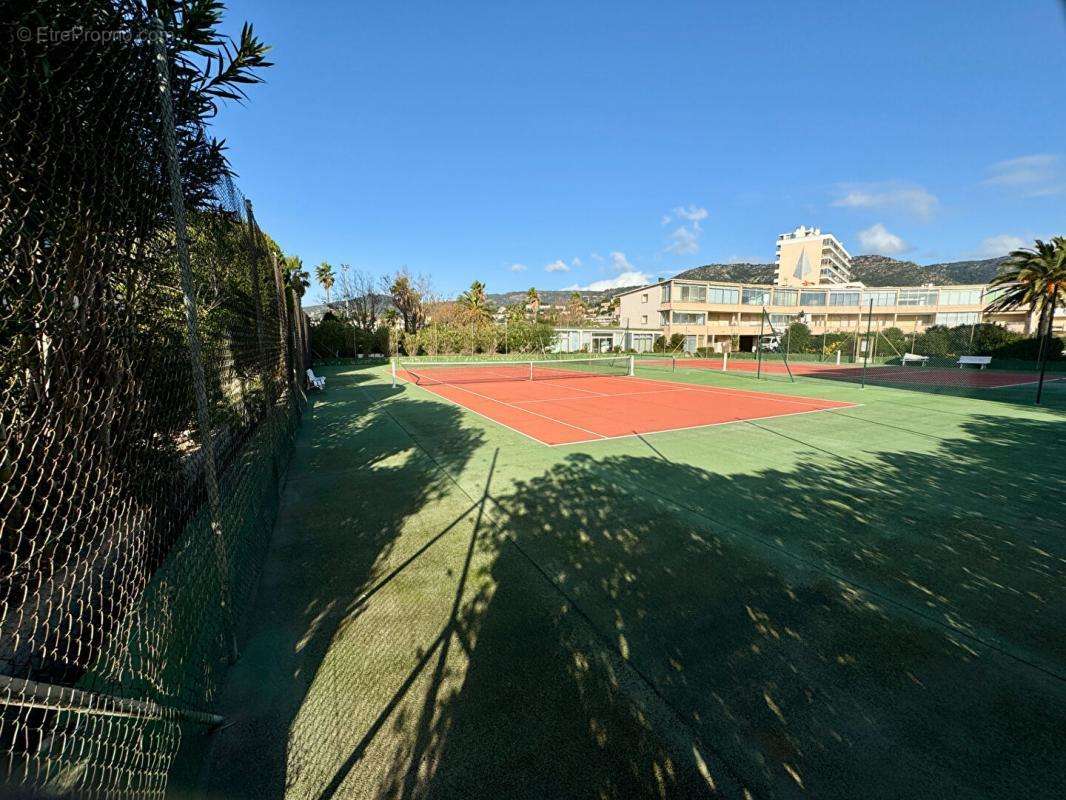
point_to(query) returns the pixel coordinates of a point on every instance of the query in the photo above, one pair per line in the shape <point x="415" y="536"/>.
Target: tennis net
<point x="440" y="372"/>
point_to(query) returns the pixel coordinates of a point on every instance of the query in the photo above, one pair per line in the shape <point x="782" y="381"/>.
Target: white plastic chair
<point x="315" y="381"/>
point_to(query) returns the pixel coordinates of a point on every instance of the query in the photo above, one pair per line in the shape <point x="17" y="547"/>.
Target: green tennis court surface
<point x="862" y="603"/>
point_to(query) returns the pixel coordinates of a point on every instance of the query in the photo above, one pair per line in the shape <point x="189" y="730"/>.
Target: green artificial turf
<point x="863" y="603"/>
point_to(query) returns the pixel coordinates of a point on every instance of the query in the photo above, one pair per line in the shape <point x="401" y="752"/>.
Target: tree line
<point x="402" y="314"/>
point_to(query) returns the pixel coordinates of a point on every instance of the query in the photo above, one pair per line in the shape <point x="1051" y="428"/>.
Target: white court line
<point x="599" y="437"/>
<point x="1011" y="385"/>
<point x="673" y="385"/>
<point x="457" y="404"/>
<point x="704" y="425"/>
<point x="748" y="392"/>
<point x="599" y="395"/>
<point x="527" y="411"/>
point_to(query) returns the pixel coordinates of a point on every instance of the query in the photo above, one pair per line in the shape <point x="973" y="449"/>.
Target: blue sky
<point x="583" y="144"/>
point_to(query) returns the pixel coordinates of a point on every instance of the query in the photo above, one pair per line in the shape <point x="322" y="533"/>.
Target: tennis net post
<point x="392" y="362"/>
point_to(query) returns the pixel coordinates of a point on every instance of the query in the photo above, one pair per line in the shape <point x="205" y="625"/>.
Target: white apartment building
<point x="808" y="257"/>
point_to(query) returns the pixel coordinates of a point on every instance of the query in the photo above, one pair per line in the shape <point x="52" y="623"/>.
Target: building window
<point x="691" y="293"/>
<point x="665" y="297"/>
<point x="960" y="297"/>
<point x="664" y="317"/>
<point x="781" y="321"/>
<point x="643" y="342"/>
<point x="917" y="297"/>
<point x="717" y="294"/>
<point x="812" y="298"/>
<point x="756" y="297"/>
<point x="644" y="319"/>
<point x="843" y="298"/>
<point x="786" y="297"/>
<point x="953" y="318"/>
<point x="879" y="298"/>
<point x="994" y="294"/>
<point x="686" y="318"/>
<point x="644" y="298"/>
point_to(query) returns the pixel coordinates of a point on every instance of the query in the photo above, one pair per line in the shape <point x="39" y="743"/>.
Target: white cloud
<point x="620" y="263"/>
<point x="1036" y="175"/>
<point x="557" y="266"/>
<point x="995" y="246"/>
<point x="877" y="239"/>
<point x="597" y="257"/>
<point x="685" y="240"/>
<point x="891" y="196"/>
<point x="517" y="268"/>
<point x="575" y="262"/>
<point x="633" y="278"/>
<point x="691" y="213"/>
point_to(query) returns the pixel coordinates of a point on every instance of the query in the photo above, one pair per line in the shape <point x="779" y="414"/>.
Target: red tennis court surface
<point x="967" y="378"/>
<point x="590" y="408"/>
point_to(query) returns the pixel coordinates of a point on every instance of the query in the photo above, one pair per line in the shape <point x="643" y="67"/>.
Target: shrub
<point x="331" y="338"/>
<point x="1028" y="349"/>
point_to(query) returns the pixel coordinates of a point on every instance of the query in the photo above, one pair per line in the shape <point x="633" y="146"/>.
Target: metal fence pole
<point x="298" y="345"/>
<point x="283" y="320"/>
<point x="177" y="202"/>
<point x="257" y="301"/>
<point x="866" y="350"/>
<point x="758" y="349"/>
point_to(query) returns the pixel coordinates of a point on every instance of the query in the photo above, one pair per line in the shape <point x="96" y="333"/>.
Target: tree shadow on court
<point x="881" y="624"/>
<point x="877" y="627"/>
<point x="358" y="512"/>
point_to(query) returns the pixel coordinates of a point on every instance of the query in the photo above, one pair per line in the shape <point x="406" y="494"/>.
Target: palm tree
<point x="533" y="300"/>
<point x="474" y="302"/>
<point x="1033" y="278"/>
<point x="324" y="274"/>
<point x="296" y="277"/>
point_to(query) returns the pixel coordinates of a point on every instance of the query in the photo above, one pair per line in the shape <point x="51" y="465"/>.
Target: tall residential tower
<point x="808" y="257"/>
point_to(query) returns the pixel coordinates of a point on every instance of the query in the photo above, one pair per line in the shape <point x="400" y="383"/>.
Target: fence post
<point x="866" y="350"/>
<point x="758" y="349"/>
<point x="298" y="342"/>
<point x="283" y="320"/>
<point x="257" y="302"/>
<point x="192" y="332"/>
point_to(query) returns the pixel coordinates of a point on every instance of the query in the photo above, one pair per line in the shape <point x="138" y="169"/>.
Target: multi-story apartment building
<point x="808" y="257"/>
<point x="813" y="286"/>
<point x="708" y="313"/>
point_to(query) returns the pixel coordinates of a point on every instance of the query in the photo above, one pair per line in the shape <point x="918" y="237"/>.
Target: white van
<point x="770" y="344"/>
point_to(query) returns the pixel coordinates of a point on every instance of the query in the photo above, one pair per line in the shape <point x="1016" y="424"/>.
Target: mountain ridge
<point x="871" y="269"/>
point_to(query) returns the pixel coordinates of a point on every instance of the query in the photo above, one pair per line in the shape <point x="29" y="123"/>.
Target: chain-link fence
<point x="975" y="360"/>
<point x="150" y="362"/>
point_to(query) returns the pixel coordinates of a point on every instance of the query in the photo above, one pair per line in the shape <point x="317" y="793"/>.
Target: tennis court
<point x="867" y="601"/>
<point x="968" y="378"/>
<point x="567" y="401"/>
